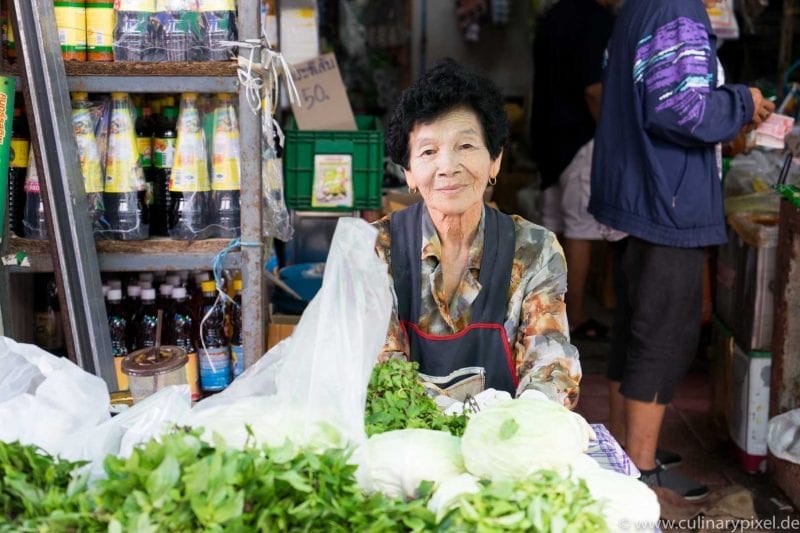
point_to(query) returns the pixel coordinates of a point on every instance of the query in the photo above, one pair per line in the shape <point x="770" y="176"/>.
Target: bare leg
<point x="578" y="254"/>
<point x="643" y="425"/>
<point x="616" y="418"/>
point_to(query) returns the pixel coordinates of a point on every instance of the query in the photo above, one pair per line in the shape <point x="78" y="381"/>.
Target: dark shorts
<point x="659" y="292"/>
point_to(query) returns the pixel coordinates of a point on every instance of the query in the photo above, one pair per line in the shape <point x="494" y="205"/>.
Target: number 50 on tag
<point x="323" y="98"/>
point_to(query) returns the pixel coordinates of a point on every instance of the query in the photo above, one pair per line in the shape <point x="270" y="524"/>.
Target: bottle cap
<point x="165" y="289"/>
<point x="200" y="277"/>
<point x="209" y="286"/>
<point x="146" y="276"/>
<point x="80" y="96"/>
<point x="171" y="113"/>
<point x="146" y="285"/>
<point x="174" y="280"/>
<point x="114" y="295"/>
<point x="148" y="294"/>
<point x="237" y="285"/>
<point x="178" y="293"/>
<point x="183" y="275"/>
<point x="115" y="284"/>
<point x="134" y="291"/>
<point x="106" y="288"/>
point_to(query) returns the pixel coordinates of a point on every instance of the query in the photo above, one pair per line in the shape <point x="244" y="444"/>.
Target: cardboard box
<point x="280" y="327"/>
<point x="749" y="406"/>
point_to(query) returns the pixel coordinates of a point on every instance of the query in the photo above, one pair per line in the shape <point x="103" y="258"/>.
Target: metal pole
<point x="254" y="289"/>
<point x="71" y="239"/>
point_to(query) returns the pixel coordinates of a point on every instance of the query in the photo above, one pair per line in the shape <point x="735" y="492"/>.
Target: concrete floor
<point x="707" y="453"/>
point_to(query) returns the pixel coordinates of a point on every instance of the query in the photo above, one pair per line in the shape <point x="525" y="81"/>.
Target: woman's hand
<point x="762" y="108"/>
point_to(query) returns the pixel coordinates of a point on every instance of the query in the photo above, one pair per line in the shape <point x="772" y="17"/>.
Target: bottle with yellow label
<point x="17" y="171"/>
<point x="89" y="154"/>
<point x="99" y="30"/>
<point x="124" y="181"/>
<point x="225" y="171"/>
<point x="189" y="183"/>
<point x="71" y="23"/>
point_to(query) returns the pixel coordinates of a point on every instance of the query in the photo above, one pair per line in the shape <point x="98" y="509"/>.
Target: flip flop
<point x="590" y="330"/>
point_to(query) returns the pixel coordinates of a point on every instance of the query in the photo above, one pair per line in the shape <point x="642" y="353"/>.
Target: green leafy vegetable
<point x="397" y="400"/>
<point x="542" y="503"/>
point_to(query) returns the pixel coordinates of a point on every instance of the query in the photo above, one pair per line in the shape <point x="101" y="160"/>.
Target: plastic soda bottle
<point x="34" y="222"/>
<point x="133" y="35"/>
<point x="182" y="334"/>
<point x="237" y="357"/>
<point x="143" y="322"/>
<point x="189" y="184"/>
<point x="124" y="180"/>
<point x="165" y="137"/>
<point x="17" y="171"/>
<point x="89" y="154"/>
<point x="118" y="328"/>
<point x="217" y="24"/>
<point x="213" y="355"/>
<point x="225" y="173"/>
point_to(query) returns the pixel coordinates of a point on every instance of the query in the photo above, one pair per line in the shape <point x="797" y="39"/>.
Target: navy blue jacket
<point x="654" y="172"/>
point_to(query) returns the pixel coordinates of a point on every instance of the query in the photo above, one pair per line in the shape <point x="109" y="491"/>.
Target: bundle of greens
<point x="396" y="399"/>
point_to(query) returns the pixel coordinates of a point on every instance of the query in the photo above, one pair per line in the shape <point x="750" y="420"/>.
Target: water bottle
<point x="34" y="222"/>
<point x="133" y="32"/>
<point x="181" y="332"/>
<point x="217" y="24"/>
<point x="225" y="173"/>
<point x="213" y="355"/>
<point x="189" y="183"/>
<point x="118" y="328"/>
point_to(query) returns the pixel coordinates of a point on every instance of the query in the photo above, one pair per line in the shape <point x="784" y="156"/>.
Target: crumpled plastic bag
<point x="312" y="389"/>
<point x="46" y="400"/>
<point x="783" y="436"/>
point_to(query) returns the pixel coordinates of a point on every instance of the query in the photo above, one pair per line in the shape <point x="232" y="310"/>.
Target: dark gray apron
<point x="481" y="348"/>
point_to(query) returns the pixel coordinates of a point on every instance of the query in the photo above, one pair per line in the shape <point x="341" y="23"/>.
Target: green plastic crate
<point x="366" y="148"/>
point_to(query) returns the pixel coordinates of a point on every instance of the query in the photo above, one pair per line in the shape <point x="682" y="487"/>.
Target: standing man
<point x="655" y="177"/>
<point x="569" y="46"/>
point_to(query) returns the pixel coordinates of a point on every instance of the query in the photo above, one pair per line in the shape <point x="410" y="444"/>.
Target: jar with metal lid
<point x="149" y="371"/>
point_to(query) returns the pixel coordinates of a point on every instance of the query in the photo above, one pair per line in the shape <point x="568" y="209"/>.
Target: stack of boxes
<point x="742" y="336"/>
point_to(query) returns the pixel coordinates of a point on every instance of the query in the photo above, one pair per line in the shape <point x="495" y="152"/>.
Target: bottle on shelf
<point x="89" y="155"/>
<point x="213" y="353"/>
<point x="126" y="213"/>
<point x="99" y="30"/>
<point x="144" y="141"/>
<point x="189" y="183"/>
<point x="237" y="357"/>
<point x="47" y="331"/>
<point x="165" y="136"/>
<point x="17" y="171"/>
<point x="164" y="301"/>
<point x="133" y="33"/>
<point x="132" y="305"/>
<point x="118" y="328"/>
<point x="34" y="222"/>
<point x="181" y="332"/>
<point x="225" y="170"/>
<point x="217" y="24"/>
<point x="71" y="23"/>
<point x="177" y="29"/>
<point x="144" y="322"/>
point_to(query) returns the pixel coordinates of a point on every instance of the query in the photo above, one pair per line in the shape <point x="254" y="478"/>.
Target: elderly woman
<point x="479" y="295"/>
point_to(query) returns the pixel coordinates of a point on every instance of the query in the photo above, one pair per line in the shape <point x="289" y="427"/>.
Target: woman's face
<point x="449" y="162"/>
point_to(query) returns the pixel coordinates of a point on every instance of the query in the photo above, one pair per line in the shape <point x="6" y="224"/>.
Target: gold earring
<point x="412" y="190"/>
<point x="493" y="181"/>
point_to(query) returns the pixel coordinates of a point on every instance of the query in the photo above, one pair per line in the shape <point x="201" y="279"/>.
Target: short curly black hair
<point x="446" y="86"/>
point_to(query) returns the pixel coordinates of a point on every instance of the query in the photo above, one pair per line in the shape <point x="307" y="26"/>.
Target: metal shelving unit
<point x="72" y="252"/>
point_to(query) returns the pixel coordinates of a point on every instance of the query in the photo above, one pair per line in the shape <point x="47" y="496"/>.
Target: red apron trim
<point x="453" y="336"/>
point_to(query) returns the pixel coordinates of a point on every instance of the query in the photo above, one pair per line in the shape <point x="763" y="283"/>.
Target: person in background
<point x="479" y="295"/>
<point x="569" y="46"/>
<point x="655" y="177"/>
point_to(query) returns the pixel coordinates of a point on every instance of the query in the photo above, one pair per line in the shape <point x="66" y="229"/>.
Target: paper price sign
<point x="323" y="98"/>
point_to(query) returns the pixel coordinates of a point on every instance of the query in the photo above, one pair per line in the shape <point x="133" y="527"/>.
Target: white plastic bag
<point x="46" y="400"/>
<point x="317" y="385"/>
<point x="783" y="436"/>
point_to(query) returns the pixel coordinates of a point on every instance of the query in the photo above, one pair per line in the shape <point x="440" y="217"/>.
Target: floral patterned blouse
<point x="536" y="319"/>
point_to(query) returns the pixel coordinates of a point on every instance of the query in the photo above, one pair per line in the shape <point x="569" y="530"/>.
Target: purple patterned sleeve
<point x="675" y="72"/>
